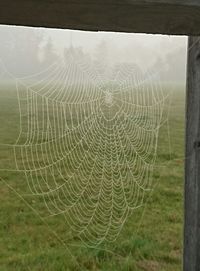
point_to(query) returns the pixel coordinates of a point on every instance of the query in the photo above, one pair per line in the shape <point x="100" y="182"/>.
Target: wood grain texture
<point x="192" y="162"/>
<point x="148" y="16"/>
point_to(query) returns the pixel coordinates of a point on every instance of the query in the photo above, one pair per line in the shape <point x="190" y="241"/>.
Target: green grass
<point x="151" y="239"/>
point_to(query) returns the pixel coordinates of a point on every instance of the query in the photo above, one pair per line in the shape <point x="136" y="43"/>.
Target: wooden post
<point x="191" y="261"/>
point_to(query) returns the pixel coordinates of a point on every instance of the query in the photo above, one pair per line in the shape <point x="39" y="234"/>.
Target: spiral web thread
<point x="87" y="143"/>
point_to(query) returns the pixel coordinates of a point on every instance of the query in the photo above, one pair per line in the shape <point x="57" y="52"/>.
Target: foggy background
<point x="26" y="50"/>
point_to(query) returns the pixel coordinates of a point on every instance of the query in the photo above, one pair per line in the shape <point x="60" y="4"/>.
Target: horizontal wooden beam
<point x="180" y="17"/>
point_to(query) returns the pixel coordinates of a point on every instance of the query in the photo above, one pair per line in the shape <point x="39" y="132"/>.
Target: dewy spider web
<point x="87" y="143"/>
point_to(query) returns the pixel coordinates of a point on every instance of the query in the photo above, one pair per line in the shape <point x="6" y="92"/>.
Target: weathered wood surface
<point x="192" y="162"/>
<point x="148" y="16"/>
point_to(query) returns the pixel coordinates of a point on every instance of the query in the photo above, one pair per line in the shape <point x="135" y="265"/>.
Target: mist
<point x="25" y="50"/>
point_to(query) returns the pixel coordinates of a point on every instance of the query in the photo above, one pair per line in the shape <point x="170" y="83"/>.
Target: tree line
<point x="26" y="51"/>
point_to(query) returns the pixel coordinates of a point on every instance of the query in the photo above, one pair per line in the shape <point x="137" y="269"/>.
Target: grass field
<point x="151" y="239"/>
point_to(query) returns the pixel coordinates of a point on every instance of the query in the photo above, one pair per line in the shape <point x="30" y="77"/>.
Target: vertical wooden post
<point x="191" y="261"/>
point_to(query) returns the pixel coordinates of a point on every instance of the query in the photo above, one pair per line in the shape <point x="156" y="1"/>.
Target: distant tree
<point x="49" y="55"/>
<point x="101" y="58"/>
<point x="76" y="53"/>
<point x="75" y="58"/>
<point x="172" y="67"/>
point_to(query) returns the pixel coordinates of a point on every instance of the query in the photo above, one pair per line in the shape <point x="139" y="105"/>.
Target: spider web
<point x="88" y="141"/>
